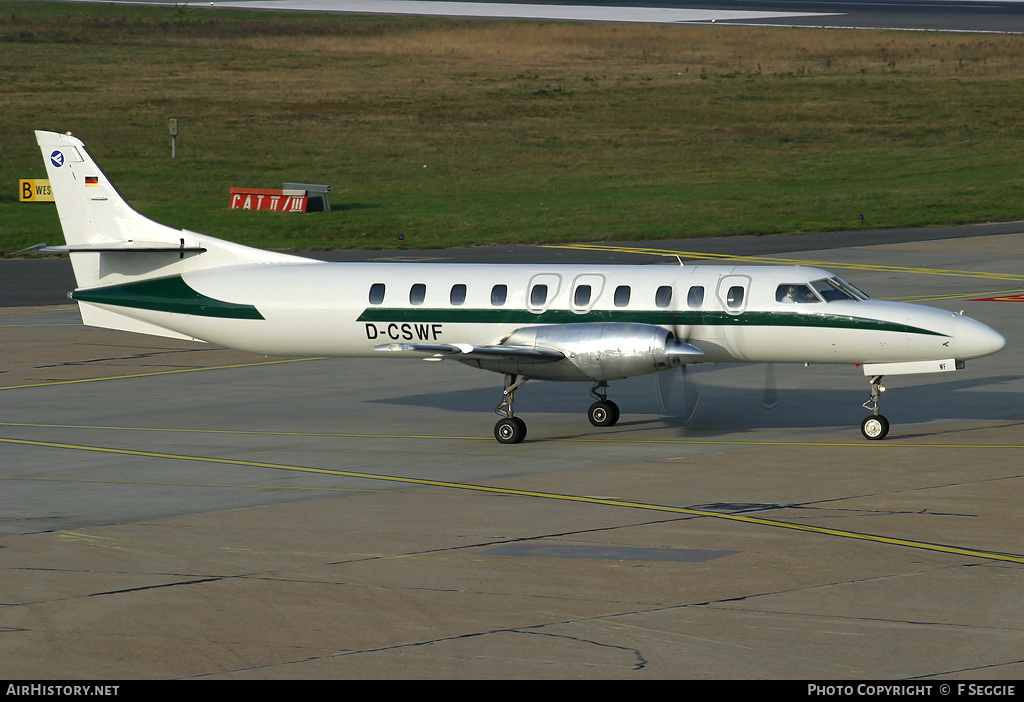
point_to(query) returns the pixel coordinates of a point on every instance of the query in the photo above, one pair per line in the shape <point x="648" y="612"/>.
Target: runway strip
<point x="756" y="521"/>
<point x="577" y="13"/>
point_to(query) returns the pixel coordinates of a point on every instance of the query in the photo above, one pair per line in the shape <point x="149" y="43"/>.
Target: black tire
<point x="511" y="430"/>
<point x="875" y="427"/>
<point x="603" y="413"/>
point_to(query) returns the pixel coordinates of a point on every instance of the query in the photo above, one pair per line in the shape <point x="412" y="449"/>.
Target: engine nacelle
<point x="595" y="351"/>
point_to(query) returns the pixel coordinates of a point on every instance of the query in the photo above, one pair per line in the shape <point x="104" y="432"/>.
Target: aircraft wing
<point x="462" y="352"/>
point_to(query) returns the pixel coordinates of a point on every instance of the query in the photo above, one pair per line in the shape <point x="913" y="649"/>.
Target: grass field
<point x="460" y="132"/>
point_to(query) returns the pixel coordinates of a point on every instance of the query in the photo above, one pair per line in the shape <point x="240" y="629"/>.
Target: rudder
<point x="91" y="210"/>
<point x="93" y="214"/>
<point x="112" y="243"/>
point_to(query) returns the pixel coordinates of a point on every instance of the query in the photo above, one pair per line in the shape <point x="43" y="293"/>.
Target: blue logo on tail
<point x="57" y="159"/>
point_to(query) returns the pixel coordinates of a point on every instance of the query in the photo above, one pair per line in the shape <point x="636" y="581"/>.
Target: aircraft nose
<point x="974" y="339"/>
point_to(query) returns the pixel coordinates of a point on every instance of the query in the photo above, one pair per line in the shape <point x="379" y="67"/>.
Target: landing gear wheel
<point x="603" y="413"/>
<point x="874" y="427"/>
<point x="511" y="430"/>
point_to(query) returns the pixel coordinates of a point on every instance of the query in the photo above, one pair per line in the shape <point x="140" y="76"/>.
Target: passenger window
<point x="663" y="298"/>
<point x="416" y="293"/>
<point x="582" y="296"/>
<point x="376" y="293"/>
<point x="735" y="297"/>
<point x="695" y="298"/>
<point x="539" y="295"/>
<point x="498" y="294"/>
<point x="622" y="296"/>
<point x="458" y="295"/>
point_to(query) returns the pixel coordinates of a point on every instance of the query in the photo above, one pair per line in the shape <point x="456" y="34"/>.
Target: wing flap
<point x="463" y="352"/>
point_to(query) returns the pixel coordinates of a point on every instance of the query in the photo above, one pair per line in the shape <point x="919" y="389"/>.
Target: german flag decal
<point x="92" y="181"/>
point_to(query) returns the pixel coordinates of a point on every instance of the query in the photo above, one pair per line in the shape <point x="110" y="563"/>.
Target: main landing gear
<point x="510" y="429"/>
<point x="604" y="412"/>
<point x="874" y="426"/>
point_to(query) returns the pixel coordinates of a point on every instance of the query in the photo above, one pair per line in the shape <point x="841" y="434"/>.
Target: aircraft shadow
<point x="732" y="408"/>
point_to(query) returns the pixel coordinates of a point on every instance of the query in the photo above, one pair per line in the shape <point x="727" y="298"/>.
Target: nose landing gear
<point x="875" y="426"/>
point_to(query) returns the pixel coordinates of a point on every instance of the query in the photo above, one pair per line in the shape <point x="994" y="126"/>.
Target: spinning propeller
<point x="666" y="382"/>
<point x="669" y="393"/>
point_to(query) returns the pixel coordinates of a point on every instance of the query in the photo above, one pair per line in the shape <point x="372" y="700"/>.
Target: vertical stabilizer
<point x="109" y="242"/>
<point x="90" y="208"/>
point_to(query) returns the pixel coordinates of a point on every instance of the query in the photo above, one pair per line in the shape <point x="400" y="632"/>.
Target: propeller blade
<point x="770" y="401"/>
<point x="664" y="382"/>
<point x="667" y="383"/>
<point x="692" y="392"/>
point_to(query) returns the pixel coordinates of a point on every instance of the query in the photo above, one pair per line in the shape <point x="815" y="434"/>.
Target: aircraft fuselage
<point x="732" y="313"/>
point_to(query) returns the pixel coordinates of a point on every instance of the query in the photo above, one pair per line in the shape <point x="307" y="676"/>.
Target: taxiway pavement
<point x="172" y="510"/>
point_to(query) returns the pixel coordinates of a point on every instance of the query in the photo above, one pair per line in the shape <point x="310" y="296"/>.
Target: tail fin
<point x="112" y="244"/>
<point x="92" y="213"/>
<point x="97" y="220"/>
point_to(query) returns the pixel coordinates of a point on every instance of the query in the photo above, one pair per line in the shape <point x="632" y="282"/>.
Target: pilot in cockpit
<point x="795" y="293"/>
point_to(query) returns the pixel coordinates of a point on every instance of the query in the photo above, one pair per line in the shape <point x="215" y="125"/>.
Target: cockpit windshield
<point x="832" y="289"/>
<point x="857" y="292"/>
<point x="795" y="293"/>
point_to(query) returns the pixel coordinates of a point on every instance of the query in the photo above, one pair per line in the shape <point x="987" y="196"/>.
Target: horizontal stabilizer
<point x="115" y="247"/>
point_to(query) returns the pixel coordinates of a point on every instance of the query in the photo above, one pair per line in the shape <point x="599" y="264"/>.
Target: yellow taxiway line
<point x="941" y="548"/>
<point x="618" y="439"/>
<point x="154" y="373"/>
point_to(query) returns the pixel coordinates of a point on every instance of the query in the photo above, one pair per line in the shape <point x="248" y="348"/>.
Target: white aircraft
<point x="581" y="323"/>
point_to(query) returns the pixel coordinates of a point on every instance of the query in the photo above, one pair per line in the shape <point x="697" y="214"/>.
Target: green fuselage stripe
<point x="166" y="295"/>
<point x="655" y="317"/>
<point x="173" y="294"/>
